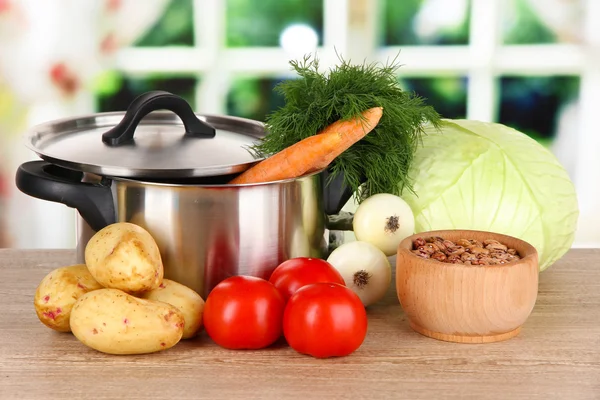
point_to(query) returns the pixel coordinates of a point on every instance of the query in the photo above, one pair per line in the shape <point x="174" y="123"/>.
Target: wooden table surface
<point x="556" y="355"/>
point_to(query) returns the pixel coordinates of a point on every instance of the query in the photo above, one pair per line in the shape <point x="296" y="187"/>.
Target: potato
<point x="114" y="322"/>
<point x="58" y="291"/>
<point x="185" y="299"/>
<point x="125" y="256"/>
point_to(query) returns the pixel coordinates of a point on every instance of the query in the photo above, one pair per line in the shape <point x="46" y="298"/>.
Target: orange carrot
<point x="313" y="153"/>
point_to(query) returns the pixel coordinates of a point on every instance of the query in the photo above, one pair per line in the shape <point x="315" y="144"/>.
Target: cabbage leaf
<point x="486" y="176"/>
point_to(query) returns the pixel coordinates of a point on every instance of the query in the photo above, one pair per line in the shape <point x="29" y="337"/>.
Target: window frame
<point x="483" y="61"/>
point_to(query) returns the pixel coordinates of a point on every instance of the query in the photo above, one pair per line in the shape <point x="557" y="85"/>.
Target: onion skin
<point x="366" y="270"/>
<point x="383" y="220"/>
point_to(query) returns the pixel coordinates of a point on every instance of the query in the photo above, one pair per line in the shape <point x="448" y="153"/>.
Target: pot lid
<point x="146" y="143"/>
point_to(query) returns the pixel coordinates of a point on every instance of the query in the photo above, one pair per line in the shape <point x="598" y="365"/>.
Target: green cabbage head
<point x="486" y="176"/>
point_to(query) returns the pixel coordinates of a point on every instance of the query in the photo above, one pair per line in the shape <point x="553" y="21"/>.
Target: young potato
<point x="185" y="299"/>
<point x="58" y="291"/>
<point x="125" y="256"/>
<point x="114" y="322"/>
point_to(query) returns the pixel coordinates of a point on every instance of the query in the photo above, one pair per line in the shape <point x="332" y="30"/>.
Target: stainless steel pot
<point x="205" y="228"/>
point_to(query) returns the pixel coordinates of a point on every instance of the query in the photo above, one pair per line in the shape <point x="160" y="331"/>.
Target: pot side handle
<point x="47" y="181"/>
<point x="335" y="192"/>
<point x="335" y="195"/>
<point x="153" y="101"/>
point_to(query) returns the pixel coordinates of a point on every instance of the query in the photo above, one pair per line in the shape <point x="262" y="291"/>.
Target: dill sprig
<point x="378" y="163"/>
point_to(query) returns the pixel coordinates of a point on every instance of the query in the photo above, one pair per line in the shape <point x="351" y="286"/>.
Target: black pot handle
<point x="153" y="101"/>
<point x="50" y="182"/>
<point x="336" y="192"/>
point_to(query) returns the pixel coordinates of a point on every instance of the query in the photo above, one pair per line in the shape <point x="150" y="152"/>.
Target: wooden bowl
<point x="467" y="303"/>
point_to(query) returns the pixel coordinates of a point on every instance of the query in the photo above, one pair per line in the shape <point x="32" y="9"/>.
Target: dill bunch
<point x="378" y="163"/>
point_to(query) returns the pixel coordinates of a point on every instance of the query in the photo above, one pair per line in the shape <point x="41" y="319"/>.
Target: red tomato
<point x="292" y="274"/>
<point x="244" y="312"/>
<point x="325" y="320"/>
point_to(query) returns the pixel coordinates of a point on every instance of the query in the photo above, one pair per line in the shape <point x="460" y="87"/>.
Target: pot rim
<point x="209" y="185"/>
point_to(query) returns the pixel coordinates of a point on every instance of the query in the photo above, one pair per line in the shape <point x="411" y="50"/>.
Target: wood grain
<point x="467" y="303"/>
<point x="555" y="356"/>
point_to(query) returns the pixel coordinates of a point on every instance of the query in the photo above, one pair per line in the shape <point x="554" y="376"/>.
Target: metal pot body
<point x="208" y="233"/>
<point x="169" y="173"/>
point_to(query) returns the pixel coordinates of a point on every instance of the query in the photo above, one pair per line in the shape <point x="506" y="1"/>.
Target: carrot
<point x="314" y="152"/>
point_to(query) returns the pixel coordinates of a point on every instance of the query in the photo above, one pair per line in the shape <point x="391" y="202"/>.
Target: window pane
<point x="253" y="98"/>
<point x="448" y="95"/>
<point x="262" y="22"/>
<point x="424" y="22"/>
<point x="542" y="21"/>
<point x="174" y="28"/>
<point x="545" y="108"/>
<point x="120" y="91"/>
<point x="535" y="105"/>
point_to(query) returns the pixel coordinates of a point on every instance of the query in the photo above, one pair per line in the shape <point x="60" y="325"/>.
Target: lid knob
<point x="153" y="101"/>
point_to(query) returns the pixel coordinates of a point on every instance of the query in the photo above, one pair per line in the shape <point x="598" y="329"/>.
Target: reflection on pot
<point x="209" y="233"/>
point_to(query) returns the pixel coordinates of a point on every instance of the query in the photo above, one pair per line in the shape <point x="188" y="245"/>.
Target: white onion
<point x="365" y="269"/>
<point x="384" y="220"/>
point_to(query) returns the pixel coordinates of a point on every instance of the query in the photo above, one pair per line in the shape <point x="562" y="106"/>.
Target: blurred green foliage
<point x="260" y="22"/>
<point x="397" y="17"/>
<point x="253" y="98"/>
<point x="174" y="28"/>
<point x="533" y="104"/>
<point x="526" y="27"/>
<point x="130" y="88"/>
<point x="448" y="95"/>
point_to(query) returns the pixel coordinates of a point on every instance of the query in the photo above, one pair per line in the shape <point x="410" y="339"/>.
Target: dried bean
<point x="478" y="250"/>
<point x="456" y="250"/>
<point x="449" y="244"/>
<point x="453" y="258"/>
<point x="464" y="251"/>
<point x="440" y="245"/>
<point x="463" y="243"/>
<point x="438" y="255"/>
<point x="420" y="253"/>
<point x="500" y="255"/>
<point x="419" y="242"/>
<point x="429" y="248"/>
<point x="496" y="246"/>
<point x="468" y="257"/>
